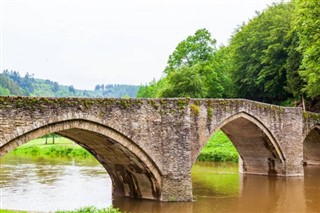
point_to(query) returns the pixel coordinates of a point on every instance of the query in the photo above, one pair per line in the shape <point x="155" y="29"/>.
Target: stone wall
<point x="311" y="142"/>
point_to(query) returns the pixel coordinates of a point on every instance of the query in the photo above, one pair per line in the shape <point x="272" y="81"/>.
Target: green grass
<point x="62" y="147"/>
<point x="219" y="148"/>
<point x="91" y="209"/>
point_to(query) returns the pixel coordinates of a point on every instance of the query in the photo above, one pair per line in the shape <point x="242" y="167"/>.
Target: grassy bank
<point x="62" y="147"/>
<point x="89" y="209"/>
<point x="219" y="148"/>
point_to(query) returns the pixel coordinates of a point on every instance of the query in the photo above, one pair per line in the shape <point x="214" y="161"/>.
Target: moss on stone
<point x="153" y="103"/>
<point x="195" y="110"/>
<point x="182" y="103"/>
<point x="309" y="115"/>
<point x="209" y="113"/>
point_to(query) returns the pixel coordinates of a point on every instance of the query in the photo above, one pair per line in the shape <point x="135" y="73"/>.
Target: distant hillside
<point x="11" y="83"/>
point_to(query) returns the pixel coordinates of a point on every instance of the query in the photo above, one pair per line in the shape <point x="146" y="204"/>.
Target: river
<point x="38" y="184"/>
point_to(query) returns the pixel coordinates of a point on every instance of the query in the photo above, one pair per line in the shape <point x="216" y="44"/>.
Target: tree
<point x="4" y="91"/>
<point x="27" y="83"/>
<point x="308" y="28"/>
<point x="195" y="69"/>
<point x="151" y="90"/>
<point x="8" y="84"/>
<point x="199" y="47"/>
<point x="184" y="82"/>
<point x="72" y="89"/>
<point x="55" y="87"/>
<point x="294" y="81"/>
<point x="217" y="73"/>
<point x="97" y="88"/>
<point x="260" y="53"/>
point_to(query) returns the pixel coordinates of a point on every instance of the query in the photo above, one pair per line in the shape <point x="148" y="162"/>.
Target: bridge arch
<point x="133" y="172"/>
<point x="311" y="146"/>
<point x="259" y="152"/>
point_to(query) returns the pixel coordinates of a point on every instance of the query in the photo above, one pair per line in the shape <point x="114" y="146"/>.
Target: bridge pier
<point x="177" y="189"/>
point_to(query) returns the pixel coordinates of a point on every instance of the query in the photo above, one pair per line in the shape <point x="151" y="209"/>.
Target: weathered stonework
<point x="148" y="146"/>
<point x="312" y="138"/>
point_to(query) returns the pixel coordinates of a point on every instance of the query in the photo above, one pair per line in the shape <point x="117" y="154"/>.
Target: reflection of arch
<point x="132" y="171"/>
<point x="259" y="151"/>
<point x="311" y="146"/>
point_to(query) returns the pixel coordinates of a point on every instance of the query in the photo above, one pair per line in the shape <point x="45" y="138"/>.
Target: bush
<point x="219" y="148"/>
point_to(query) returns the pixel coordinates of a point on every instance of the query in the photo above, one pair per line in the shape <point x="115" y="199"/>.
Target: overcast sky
<point x="89" y="42"/>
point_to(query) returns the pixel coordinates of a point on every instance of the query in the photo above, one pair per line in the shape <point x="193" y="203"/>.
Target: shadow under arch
<point x="133" y="172"/>
<point x="311" y="146"/>
<point x="259" y="151"/>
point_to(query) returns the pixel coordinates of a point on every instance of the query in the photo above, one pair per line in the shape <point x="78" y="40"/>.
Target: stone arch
<point x="259" y="151"/>
<point x="311" y="146"/>
<point x="133" y="172"/>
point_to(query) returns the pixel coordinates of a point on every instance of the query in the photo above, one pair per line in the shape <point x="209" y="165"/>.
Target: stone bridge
<point x="148" y="146"/>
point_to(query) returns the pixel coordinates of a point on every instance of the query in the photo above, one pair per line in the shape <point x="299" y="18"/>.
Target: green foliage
<point x="308" y="28"/>
<point x="195" y="110"/>
<point x="62" y="147"/>
<point x="4" y="91"/>
<point x="184" y="82"/>
<point x="11" y="211"/>
<point x="195" y="69"/>
<point x="92" y="209"/>
<point x="118" y="90"/>
<point x="217" y="74"/>
<point x="199" y="47"/>
<point x="219" y="148"/>
<point x="11" y="83"/>
<point x="151" y="90"/>
<point x="294" y="81"/>
<point x="9" y="86"/>
<point x="260" y="53"/>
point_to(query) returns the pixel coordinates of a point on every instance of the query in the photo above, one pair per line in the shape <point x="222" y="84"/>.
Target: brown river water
<point x="35" y="184"/>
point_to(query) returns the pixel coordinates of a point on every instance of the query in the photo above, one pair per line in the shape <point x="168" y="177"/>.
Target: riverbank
<point x="219" y="149"/>
<point x="89" y="209"/>
<point x="62" y="147"/>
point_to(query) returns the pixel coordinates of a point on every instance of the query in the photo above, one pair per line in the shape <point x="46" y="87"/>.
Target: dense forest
<point x="11" y="83"/>
<point x="273" y="58"/>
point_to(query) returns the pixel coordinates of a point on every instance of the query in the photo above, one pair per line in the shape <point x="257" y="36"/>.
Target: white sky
<point x="89" y="42"/>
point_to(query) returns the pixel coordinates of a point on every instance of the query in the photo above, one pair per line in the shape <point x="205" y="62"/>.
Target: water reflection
<point x="50" y="184"/>
<point x="312" y="188"/>
<point x="131" y="205"/>
<point x="219" y="188"/>
<point x="41" y="185"/>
